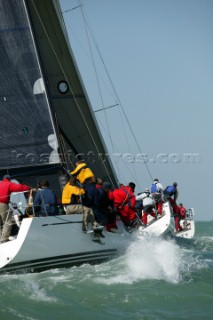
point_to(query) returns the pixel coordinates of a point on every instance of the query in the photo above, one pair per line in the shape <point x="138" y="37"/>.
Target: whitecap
<point x="145" y="259"/>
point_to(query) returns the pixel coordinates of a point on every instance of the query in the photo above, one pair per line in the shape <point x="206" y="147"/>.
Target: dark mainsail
<point x="26" y="126"/>
<point x="42" y="95"/>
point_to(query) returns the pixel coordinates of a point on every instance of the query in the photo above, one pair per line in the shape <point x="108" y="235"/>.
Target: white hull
<point x="159" y="227"/>
<point x="187" y="224"/>
<point x="47" y="242"/>
<point x="58" y="241"/>
<point x="188" y="230"/>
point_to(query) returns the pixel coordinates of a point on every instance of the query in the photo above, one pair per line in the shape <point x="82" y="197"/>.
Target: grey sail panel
<point x="72" y="108"/>
<point x="26" y="129"/>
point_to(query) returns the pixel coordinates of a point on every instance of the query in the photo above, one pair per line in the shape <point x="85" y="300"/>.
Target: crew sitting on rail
<point x="74" y="198"/>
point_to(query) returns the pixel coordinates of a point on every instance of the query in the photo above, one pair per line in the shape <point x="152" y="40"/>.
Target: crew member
<point x="182" y="211"/>
<point x="99" y="183"/>
<point x="107" y="205"/>
<point x="157" y="194"/>
<point x="82" y="172"/>
<point x="74" y="198"/>
<point x="93" y="196"/>
<point x="171" y="194"/>
<point x="45" y="202"/>
<point x="6" y="188"/>
<point x="147" y="205"/>
<point x="124" y="203"/>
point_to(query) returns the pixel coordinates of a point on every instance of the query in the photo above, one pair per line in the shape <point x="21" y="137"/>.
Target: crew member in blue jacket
<point x="94" y="200"/>
<point x="171" y="193"/>
<point x="45" y="202"/>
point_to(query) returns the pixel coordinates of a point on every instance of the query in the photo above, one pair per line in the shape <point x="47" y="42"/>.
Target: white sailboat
<point x="46" y="122"/>
<point x="58" y="241"/>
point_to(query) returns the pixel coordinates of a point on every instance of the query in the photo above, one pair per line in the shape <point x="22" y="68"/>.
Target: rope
<point x="128" y="169"/>
<point x="114" y="90"/>
<point x="94" y="66"/>
<point x="87" y="27"/>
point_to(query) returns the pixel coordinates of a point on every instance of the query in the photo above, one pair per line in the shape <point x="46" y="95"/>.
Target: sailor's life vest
<point x="124" y="196"/>
<point x="170" y="191"/>
<point x="82" y="173"/>
<point x="154" y="188"/>
<point x="156" y="192"/>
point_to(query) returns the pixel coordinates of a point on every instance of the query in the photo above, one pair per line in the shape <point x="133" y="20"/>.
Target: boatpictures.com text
<point x="93" y="157"/>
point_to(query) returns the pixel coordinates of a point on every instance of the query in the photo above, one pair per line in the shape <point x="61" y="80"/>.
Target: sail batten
<point x="22" y="28"/>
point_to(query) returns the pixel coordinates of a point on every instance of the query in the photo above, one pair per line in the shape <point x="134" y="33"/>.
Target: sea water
<point x="155" y="279"/>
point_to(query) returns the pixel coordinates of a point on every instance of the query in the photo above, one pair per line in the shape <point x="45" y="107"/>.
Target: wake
<point x="148" y="258"/>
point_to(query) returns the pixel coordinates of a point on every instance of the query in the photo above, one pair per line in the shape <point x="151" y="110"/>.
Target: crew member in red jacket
<point x="6" y="188"/>
<point x="182" y="211"/>
<point x="124" y="203"/>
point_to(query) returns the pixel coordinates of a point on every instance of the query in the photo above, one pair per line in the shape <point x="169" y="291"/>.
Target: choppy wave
<point x="152" y="258"/>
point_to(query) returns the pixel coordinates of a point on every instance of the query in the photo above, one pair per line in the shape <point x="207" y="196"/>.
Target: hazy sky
<point x="159" y="55"/>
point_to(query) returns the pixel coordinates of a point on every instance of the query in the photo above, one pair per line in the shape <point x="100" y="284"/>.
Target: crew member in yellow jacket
<point x="73" y="198"/>
<point x="82" y="172"/>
